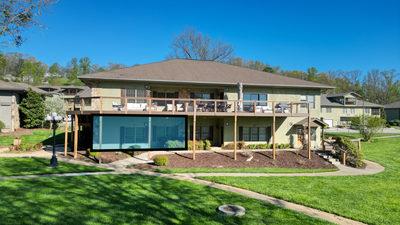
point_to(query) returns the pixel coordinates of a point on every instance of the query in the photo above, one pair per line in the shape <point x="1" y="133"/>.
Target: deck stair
<point x="328" y="153"/>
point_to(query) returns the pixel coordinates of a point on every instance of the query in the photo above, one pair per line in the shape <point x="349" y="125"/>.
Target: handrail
<point x="176" y="105"/>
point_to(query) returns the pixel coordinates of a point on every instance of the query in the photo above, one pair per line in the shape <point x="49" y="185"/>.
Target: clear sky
<point x="329" y="35"/>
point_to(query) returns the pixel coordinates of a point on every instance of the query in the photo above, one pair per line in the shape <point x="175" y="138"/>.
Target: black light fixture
<point x="53" y="118"/>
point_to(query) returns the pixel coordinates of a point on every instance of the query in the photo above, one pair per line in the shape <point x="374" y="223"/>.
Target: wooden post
<point x="76" y="137"/>
<point x="309" y="132"/>
<point x="344" y="158"/>
<point x="173" y="106"/>
<point x="273" y="131"/>
<point x="194" y="130"/>
<point x="82" y="104"/>
<point x="359" y="144"/>
<point x="234" y="136"/>
<point x="66" y="137"/>
<point x="101" y="104"/>
<point x="126" y="105"/>
<point x="254" y="107"/>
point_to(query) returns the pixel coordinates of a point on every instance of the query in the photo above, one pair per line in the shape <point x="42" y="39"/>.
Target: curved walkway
<point x="371" y="168"/>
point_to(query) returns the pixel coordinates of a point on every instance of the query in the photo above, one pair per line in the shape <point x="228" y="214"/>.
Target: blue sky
<point x="329" y="35"/>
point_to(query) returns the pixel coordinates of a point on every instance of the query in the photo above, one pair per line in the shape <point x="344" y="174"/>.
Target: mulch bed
<point x="106" y="157"/>
<point x="286" y="159"/>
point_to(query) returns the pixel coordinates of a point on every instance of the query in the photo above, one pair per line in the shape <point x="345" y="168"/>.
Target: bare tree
<point x="17" y="15"/>
<point x="191" y="44"/>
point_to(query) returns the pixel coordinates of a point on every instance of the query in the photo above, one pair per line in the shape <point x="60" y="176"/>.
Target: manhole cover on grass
<point x="232" y="210"/>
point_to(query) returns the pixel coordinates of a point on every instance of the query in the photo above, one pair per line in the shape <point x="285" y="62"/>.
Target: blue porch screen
<point x="138" y="132"/>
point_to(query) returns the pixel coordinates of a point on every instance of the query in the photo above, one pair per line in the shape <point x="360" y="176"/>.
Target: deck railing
<point x="186" y="106"/>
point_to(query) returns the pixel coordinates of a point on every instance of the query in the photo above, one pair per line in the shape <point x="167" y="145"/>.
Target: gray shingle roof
<point x="326" y="101"/>
<point x="393" y="105"/>
<point x="200" y="72"/>
<point x="21" y="87"/>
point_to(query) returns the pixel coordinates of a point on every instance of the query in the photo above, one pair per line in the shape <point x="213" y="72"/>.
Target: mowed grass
<point x="129" y="199"/>
<point x="242" y="170"/>
<point x="43" y="136"/>
<point x="34" y="166"/>
<point x="373" y="199"/>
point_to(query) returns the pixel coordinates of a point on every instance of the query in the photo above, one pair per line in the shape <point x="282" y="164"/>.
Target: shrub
<point x="175" y="144"/>
<point x="207" y="144"/>
<point x="394" y="122"/>
<point x="25" y="147"/>
<point x="2" y="125"/>
<point x="230" y="146"/>
<point x="161" y="160"/>
<point x="199" y="145"/>
<point x="32" y="109"/>
<point x="354" y="156"/>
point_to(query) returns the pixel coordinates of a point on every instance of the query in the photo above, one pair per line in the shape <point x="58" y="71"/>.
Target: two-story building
<point x="339" y="109"/>
<point x="162" y="105"/>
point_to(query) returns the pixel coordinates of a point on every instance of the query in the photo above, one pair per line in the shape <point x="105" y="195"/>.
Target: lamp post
<point x="53" y="118"/>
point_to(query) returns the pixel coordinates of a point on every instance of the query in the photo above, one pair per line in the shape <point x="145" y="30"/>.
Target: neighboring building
<point x="161" y="105"/>
<point x="68" y="92"/>
<point x="11" y="94"/>
<point x="392" y="111"/>
<point x="339" y="109"/>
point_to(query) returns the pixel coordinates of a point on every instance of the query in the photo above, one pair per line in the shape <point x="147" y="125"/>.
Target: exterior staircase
<point x="327" y="154"/>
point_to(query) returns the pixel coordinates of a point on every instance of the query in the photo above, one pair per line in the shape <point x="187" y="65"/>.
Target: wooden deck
<point x="189" y="107"/>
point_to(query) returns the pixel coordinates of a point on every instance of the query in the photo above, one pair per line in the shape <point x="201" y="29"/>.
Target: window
<point x="308" y="98"/>
<point x="367" y="110"/>
<point x="375" y="112"/>
<point x="201" y="95"/>
<point x="262" y="99"/>
<point x="202" y="133"/>
<point x="313" y="134"/>
<point x="134" y="93"/>
<point x="352" y="111"/>
<point x="345" y="111"/>
<point x="138" y="132"/>
<point x="168" y="95"/>
<point x="254" y="133"/>
<point x="328" y="109"/>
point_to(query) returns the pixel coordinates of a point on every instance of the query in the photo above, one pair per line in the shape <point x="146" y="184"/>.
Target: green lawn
<point x="242" y="170"/>
<point x="373" y="199"/>
<point x="27" y="166"/>
<point x="38" y="136"/>
<point x="129" y="199"/>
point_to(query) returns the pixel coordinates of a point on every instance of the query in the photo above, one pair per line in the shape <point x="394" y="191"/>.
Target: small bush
<point x="230" y="146"/>
<point x="354" y="156"/>
<point x="25" y="147"/>
<point x="161" y="160"/>
<point x="207" y="144"/>
<point x="2" y="125"/>
<point x="199" y="145"/>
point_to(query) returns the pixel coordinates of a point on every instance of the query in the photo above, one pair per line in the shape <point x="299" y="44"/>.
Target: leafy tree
<point x="73" y="69"/>
<point x="191" y="44"/>
<point x="32" y="72"/>
<point x="85" y="65"/>
<point x="54" y="103"/>
<point x="312" y="74"/>
<point x="55" y="69"/>
<point x="369" y="126"/>
<point x="17" y="15"/>
<point x="32" y="110"/>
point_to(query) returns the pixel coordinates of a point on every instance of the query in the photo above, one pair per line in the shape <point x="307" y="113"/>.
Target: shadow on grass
<point x="28" y="166"/>
<point x="129" y="199"/>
